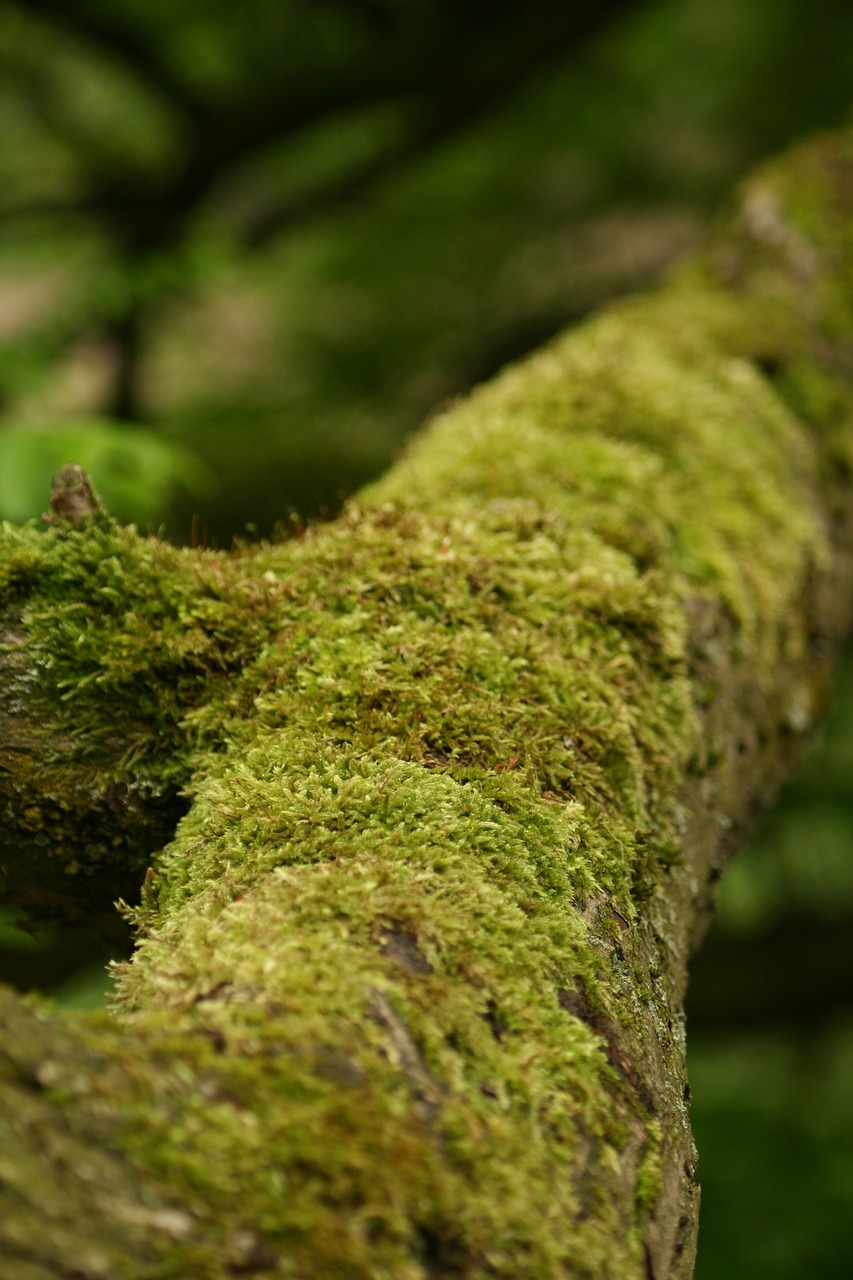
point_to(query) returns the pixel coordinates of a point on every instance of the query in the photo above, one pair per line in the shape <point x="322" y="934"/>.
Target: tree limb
<point x="461" y="771"/>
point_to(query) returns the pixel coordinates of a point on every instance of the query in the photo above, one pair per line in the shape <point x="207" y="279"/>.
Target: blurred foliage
<point x="245" y="249"/>
<point x="308" y="224"/>
<point x="71" y="964"/>
<point x="773" y="1118"/>
<point x="139" y="471"/>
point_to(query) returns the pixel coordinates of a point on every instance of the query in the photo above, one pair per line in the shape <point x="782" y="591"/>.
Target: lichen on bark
<point x="432" y="800"/>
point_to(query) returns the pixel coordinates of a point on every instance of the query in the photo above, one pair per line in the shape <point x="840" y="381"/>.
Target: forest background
<point x="246" y="249"/>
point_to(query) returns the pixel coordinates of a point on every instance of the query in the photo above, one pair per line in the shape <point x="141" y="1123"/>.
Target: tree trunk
<point x="428" y="805"/>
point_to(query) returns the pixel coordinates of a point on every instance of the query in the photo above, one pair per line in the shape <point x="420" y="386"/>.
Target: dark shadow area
<point x="70" y="965"/>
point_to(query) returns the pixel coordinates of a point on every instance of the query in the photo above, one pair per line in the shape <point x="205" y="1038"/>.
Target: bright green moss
<point x="674" y="449"/>
<point x="462" y="730"/>
<point x="473" y="719"/>
<point x="494" y="664"/>
<point x="422" y="747"/>
<point x="126" y="635"/>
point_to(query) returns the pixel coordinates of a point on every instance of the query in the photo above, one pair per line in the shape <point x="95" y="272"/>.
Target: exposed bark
<point x="460" y="772"/>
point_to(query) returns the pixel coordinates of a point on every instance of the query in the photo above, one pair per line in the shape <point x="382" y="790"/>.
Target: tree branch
<point x="462" y="769"/>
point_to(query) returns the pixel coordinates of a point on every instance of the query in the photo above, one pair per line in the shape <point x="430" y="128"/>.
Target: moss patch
<point x="421" y="747"/>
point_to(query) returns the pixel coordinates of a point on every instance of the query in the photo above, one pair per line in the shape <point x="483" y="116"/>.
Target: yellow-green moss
<point x="126" y="635"/>
<point x="416" y="745"/>
<point x="649" y="1176"/>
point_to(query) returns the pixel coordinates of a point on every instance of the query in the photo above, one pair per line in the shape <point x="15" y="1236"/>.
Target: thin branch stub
<point x="73" y="497"/>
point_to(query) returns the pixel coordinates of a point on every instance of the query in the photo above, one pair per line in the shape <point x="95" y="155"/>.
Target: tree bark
<point x="427" y="806"/>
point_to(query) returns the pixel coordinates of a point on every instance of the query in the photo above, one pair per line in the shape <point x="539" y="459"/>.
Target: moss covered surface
<point x="124" y="635"/>
<point x="376" y="1023"/>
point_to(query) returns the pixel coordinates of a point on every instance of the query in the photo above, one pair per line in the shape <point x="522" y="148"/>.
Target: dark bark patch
<point x="575" y="1003"/>
<point x="497" y="1025"/>
<point x="403" y="949"/>
<point x="442" y="1255"/>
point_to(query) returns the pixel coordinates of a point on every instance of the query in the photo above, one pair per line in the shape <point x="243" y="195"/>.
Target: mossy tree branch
<point x="427" y="806"/>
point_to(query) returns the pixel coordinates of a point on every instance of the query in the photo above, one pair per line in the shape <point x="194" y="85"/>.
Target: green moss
<point x="650" y="1176"/>
<point x="632" y="428"/>
<point x="126" y="634"/>
<point x="20" y="563"/>
<point x="442" y="644"/>
<point x="420" y="747"/>
<point x="474" y="718"/>
<point x="440" y="1126"/>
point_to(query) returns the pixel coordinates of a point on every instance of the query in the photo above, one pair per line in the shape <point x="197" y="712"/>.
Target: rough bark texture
<point x="428" y="805"/>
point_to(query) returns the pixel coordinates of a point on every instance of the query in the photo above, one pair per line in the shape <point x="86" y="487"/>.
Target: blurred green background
<point x="246" y="249"/>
